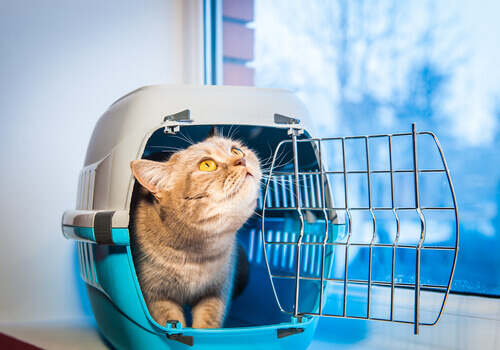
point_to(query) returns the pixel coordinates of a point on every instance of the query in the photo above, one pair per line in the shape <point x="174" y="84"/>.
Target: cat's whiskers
<point x="276" y="166"/>
<point x="287" y="185"/>
<point x="228" y="133"/>
<point x="186" y="138"/>
<point x="189" y="137"/>
<point x="285" y="188"/>
<point x="271" y="156"/>
<point x="234" y="131"/>
<point x="256" y="213"/>
<point x="266" y="167"/>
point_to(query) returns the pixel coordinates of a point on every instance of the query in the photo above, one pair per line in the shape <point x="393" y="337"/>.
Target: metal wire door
<point x="373" y="234"/>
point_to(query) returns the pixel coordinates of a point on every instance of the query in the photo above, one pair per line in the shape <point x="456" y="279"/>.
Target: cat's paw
<point x="209" y="313"/>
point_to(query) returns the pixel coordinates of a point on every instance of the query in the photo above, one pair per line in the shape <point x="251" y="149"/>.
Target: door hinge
<point x="293" y="122"/>
<point x="172" y="121"/>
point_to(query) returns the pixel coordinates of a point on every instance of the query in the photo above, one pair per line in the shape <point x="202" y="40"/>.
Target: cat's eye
<point x="207" y="165"/>
<point x="237" y="152"/>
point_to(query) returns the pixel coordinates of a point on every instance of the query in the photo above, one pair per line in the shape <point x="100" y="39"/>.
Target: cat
<point x="184" y="226"/>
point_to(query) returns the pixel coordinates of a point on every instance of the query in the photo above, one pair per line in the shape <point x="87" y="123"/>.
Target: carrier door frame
<point x="368" y="283"/>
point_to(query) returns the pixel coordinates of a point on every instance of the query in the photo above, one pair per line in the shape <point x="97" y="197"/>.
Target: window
<point x="237" y="42"/>
<point x="365" y="68"/>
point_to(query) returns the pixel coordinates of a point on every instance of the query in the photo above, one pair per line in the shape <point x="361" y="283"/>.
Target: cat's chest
<point x="194" y="272"/>
<point x="197" y="276"/>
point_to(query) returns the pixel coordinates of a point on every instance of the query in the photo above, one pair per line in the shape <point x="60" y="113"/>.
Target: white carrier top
<point x="121" y="134"/>
<point x="136" y="115"/>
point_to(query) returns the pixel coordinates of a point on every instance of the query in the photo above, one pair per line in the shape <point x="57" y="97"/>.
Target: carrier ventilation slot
<point x="86" y="262"/>
<point x="86" y="181"/>
<point x="283" y="256"/>
<point x="282" y="191"/>
<point x="396" y="249"/>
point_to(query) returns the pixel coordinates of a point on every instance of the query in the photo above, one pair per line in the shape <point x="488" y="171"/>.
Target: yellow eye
<point x="207" y="165"/>
<point x="237" y="152"/>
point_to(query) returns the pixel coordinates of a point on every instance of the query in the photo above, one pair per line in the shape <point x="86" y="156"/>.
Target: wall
<point x="62" y="63"/>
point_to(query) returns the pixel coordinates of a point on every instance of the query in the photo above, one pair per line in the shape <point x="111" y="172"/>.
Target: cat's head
<point x="218" y="171"/>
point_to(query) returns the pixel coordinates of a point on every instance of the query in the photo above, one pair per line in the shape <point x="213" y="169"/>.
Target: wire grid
<point x="310" y="191"/>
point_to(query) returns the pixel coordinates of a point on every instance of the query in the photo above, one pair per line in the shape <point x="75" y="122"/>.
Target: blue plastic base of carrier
<point x="123" y="333"/>
<point x="254" y="320"/>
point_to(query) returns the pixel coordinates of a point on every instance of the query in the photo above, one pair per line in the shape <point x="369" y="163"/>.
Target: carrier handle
<point x="96" y="226"/>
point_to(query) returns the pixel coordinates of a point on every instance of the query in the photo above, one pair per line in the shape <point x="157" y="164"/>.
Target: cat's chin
<point x="249" y="185"/>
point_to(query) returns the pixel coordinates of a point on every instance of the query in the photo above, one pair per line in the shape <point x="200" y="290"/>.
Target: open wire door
<point x="361" y="227"/>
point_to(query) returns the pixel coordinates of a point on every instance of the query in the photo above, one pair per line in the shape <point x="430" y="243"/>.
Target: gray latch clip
<point x="172" y="121"/>
<point x="283" y="119"/>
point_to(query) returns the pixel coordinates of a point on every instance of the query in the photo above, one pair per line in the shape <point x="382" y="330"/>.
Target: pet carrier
<point x="311" y="252"/>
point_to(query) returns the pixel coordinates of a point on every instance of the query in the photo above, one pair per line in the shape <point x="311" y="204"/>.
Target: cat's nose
<point x="240" y="161"/>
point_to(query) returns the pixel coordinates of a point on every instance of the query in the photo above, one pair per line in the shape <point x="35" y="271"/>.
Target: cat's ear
<point x="154" y="176"/>
<point x="213" y="132"/>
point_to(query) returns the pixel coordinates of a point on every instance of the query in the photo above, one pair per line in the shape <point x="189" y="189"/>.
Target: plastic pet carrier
<point x="353" y="227"/>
